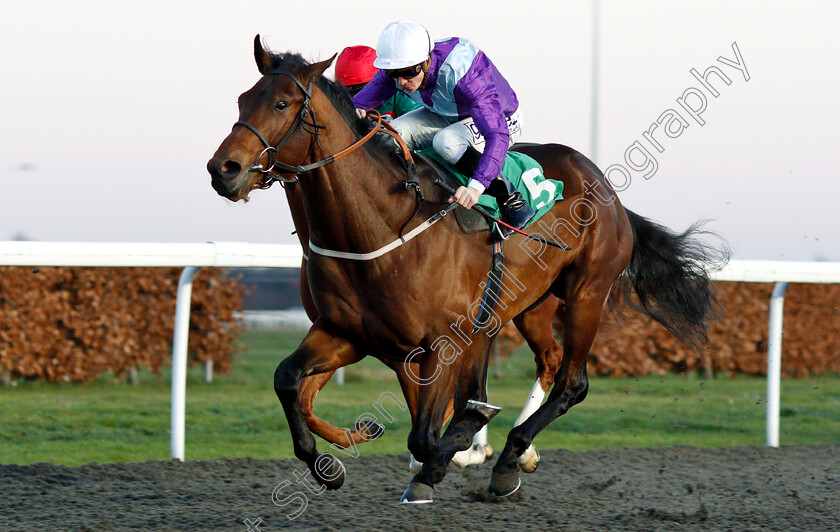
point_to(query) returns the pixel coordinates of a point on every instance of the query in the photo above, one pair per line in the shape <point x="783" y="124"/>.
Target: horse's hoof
<point x="369" y="428"/>
<point x="529" y="461"/>
<point x="504" y="484"/>
<point x="488" y="453"/>
<point x="417" y="493"/>
<point x="414" y="466"/>
<point x="328" y="471"/>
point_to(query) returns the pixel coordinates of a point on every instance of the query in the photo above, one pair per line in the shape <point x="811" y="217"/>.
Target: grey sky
<point x="110" y="110"/>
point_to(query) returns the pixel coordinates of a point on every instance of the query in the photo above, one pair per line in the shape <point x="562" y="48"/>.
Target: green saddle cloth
<point x="525" y="173"/>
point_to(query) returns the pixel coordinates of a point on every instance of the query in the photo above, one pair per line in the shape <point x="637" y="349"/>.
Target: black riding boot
<point x="468" y="162"/>
<point x="515" y="210"/>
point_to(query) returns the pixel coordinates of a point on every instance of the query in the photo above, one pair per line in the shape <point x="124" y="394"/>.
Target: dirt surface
<point x="675" y="488"/>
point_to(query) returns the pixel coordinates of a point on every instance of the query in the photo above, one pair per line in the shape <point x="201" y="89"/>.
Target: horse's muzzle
<point x="225" y="178"/>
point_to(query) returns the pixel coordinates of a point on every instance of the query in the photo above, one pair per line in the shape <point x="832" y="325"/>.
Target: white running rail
<point x="192" y="256"/>
<point x="781" y="273"/>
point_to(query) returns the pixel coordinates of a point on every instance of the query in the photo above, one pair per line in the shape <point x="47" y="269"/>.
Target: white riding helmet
<point x="402" y="44"/>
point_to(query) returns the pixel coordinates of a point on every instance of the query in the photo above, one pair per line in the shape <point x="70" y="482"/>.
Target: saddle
<point x="523" y="171"/>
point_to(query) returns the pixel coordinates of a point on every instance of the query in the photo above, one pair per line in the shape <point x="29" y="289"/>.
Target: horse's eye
<point x="280" y="106"/>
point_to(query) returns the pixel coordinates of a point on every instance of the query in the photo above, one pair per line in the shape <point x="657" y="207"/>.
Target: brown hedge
<point x="73" y="324"/>
<point x="77" y="323"/>
<point x="636" y="345"/>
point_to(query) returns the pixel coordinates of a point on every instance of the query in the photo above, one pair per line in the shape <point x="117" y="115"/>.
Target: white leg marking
<point x="480" y="437"/>
<point x="534" y="401"/>
<point x="414" y="466"/>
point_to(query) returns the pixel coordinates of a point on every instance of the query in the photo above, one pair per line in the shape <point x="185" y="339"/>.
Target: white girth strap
<point x="384" y="249"/>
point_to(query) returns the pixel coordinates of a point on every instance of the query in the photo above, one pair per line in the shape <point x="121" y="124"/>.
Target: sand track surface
<point x="674" y="488"/>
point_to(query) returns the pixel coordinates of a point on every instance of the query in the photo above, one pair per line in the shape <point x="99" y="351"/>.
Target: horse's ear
<point x="265" y="62"/>
<point x="316" y="69"/>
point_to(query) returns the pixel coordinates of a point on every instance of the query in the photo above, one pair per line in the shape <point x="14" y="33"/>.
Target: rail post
<point x="774" y="362"/>
<point x="180" y="342"/>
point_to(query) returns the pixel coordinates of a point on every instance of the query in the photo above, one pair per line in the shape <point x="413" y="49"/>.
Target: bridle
<point x="273" y="168"/>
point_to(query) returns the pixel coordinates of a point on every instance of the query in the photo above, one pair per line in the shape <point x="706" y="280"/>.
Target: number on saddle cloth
<point x="523" y="171"/>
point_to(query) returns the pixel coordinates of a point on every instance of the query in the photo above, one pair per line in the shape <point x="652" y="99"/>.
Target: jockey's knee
<point x="407" y="130"/>
<point x="403" y="129"/>
<point x="449" y="145"/>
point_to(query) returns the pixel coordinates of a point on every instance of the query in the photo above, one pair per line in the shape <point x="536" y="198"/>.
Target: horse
<point x="408" y="298"/>
<point x="534" y="324"/>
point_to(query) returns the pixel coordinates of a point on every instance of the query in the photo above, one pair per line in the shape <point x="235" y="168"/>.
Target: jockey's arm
<point x="486" y="112"/>
<point x="375" y="93"/>
<point x="492" y="125"/>
<point x="485" y="108"/>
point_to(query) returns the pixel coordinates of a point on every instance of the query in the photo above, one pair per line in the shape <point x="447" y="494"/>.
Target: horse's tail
<point x="669" y="275"/>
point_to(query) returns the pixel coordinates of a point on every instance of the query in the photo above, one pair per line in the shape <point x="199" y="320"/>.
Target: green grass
<point x="239" y="415"/>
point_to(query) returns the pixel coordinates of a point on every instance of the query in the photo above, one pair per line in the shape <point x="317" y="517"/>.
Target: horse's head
<point x="275" y="127"/>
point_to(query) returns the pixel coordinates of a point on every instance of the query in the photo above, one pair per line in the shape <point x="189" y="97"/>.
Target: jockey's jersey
<point x="461" y="82"/>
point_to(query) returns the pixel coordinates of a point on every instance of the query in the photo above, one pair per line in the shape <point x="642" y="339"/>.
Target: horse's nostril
<point x="230" y="169"/>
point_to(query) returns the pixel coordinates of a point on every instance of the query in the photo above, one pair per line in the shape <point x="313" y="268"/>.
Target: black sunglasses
<point x="405" y="73"/>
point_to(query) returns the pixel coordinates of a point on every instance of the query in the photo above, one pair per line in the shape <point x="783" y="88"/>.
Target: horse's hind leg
<point x="536" y="326"/>
<point x="584" y="301"/>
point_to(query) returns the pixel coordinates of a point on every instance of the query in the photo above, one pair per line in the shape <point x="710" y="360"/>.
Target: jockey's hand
<point x="361" y="113"/>
<point x="466" y="197"/>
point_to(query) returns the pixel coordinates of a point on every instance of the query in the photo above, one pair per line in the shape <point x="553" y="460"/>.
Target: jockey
<point x="470" y="115"/>
<point x="354" y="69"/>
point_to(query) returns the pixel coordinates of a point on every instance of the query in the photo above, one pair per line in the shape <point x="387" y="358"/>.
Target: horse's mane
<point x="294" y="63"/>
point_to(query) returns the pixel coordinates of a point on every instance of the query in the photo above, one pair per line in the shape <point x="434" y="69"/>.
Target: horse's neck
<point x="351" y="204"/>
<point x="293" y="195"/>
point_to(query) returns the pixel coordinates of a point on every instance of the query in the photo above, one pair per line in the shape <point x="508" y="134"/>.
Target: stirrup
<point x="501" y="231"/>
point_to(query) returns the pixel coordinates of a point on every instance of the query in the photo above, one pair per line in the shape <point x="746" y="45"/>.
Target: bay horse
<point x="411" y="303"/>
<point x="535" y="325"/>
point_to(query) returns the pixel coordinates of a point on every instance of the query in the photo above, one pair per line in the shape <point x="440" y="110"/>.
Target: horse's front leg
<point x="469" y="401"/>
<point x="343" y="437"/>
<point x="406" y="375"/>
<point x="435" y="382"/>
<point x="466" y="380"/>
<point x="319" y="352"/>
